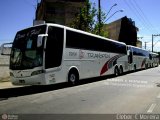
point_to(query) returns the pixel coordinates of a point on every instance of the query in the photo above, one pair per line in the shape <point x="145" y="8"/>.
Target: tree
<point x="87" y="21"/>
<point x="101" y="26"/>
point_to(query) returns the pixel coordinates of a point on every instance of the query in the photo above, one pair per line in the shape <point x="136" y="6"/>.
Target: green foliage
<point x="98" y="25"/>
<point x="87" y="20"/>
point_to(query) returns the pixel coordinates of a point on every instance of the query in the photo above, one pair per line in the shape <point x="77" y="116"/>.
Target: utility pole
<point x="152" y="42"/>
<point x="99" y="16"/>
<point x="145" y="46"/>
<point x="153" y="38"/>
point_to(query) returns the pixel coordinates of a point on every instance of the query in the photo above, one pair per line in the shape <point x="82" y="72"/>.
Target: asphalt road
<point x="137" y="92"/>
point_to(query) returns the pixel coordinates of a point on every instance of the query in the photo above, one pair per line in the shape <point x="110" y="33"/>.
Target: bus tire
<point x="73" y="77"/>
<point x="146" y="66"/>
<point x="116" y="71"/>
<point x="121" y="70"/>
<point x="134" y="69"/>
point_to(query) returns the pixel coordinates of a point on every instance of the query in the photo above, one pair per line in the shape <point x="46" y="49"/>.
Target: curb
<point x="7" y="85"/>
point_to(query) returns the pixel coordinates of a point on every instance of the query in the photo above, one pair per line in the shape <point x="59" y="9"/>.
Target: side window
<point x="150" y="56"/>
<point x="54" y="47"/>
<point x="82" y="41"/>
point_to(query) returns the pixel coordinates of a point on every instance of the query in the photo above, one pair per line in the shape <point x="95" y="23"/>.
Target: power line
<point x="144" y="16"/>
<point x="140" y="15"/>
<point x="156" y="42"/>
<point x="137" y="16"/>
<point x="146" y="20"/>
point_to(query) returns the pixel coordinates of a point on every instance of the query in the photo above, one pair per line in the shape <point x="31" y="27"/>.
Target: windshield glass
<point x="25" y="54"/>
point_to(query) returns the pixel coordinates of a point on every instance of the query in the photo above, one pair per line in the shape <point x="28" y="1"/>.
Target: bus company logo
<point x="9" y="117"/>
<point x="81" y="54"/>
<point x="4" y="116"/>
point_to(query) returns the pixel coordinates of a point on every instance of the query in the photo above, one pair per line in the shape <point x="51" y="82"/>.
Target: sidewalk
<point x="6" y="84"/>
<point x="5" y="79"/>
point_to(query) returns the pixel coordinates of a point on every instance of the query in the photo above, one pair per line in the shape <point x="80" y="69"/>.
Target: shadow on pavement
<point x="28" y="90"/>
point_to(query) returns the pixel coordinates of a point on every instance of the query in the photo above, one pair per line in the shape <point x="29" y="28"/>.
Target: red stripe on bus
<point x="105" y="66"/>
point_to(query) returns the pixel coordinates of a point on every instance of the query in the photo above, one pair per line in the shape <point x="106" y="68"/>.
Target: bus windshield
<point x="25" y="54"/>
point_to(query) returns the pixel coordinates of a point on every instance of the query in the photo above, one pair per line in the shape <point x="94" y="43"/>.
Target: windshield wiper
<point x="18" y="59"/>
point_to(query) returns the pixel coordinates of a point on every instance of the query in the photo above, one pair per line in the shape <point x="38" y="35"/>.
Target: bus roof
<point x="73" y="29"/>
<point x="137" y="47"/>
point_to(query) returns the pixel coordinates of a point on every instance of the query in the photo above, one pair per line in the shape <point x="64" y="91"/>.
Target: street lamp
<point x="99" y="14"/>
<point x="114" y="14"/>
<point x="111" y="9"/>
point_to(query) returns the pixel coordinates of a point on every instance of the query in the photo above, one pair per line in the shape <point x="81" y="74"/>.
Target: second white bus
<point x="138" y="58"/>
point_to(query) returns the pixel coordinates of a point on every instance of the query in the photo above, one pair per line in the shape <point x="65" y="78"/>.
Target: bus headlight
<point x="37" y="72"/>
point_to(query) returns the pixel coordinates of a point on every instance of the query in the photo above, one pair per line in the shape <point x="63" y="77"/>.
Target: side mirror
<point x="6" y="48"/>
<point x="128" y="52"/>
<point x="40" y="39"/>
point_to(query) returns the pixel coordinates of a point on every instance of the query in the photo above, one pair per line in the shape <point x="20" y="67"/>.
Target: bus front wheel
<point x="73" y="77"/>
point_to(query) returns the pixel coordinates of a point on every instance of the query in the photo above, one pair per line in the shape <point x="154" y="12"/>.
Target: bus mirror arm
<point x="40" y="39"/>
<point x="128" y="52"/>
<point x="6" y="49"/>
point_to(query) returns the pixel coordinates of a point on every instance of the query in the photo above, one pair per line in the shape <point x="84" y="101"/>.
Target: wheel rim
<point x="121" y="71"/>
<point x="72" y="78"/>
<point x="116" y="72"/>
<point x="134" y="68"/>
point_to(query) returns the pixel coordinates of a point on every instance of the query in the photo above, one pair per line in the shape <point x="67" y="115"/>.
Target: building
<point x="58" y="11"/>
<point x="139" y="44"/>
<point x="123" y="30"/>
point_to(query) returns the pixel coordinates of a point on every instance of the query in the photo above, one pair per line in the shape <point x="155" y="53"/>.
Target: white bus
<point x="51" y="53"/>
<point x="138" y="58"/>
<point x="154" y="59"/>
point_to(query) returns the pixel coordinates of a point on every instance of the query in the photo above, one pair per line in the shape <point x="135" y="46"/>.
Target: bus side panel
<point x="92" y="63"/>
<point x="55" y="75"/>
<point x="140" y="62"/>
<point x="123" y="61"/>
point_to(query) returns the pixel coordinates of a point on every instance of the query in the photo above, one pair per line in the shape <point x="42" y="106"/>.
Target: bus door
<point x="130" y="55"/>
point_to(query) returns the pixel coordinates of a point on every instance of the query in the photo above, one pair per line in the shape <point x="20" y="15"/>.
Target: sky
<point x="19" y="14"/>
